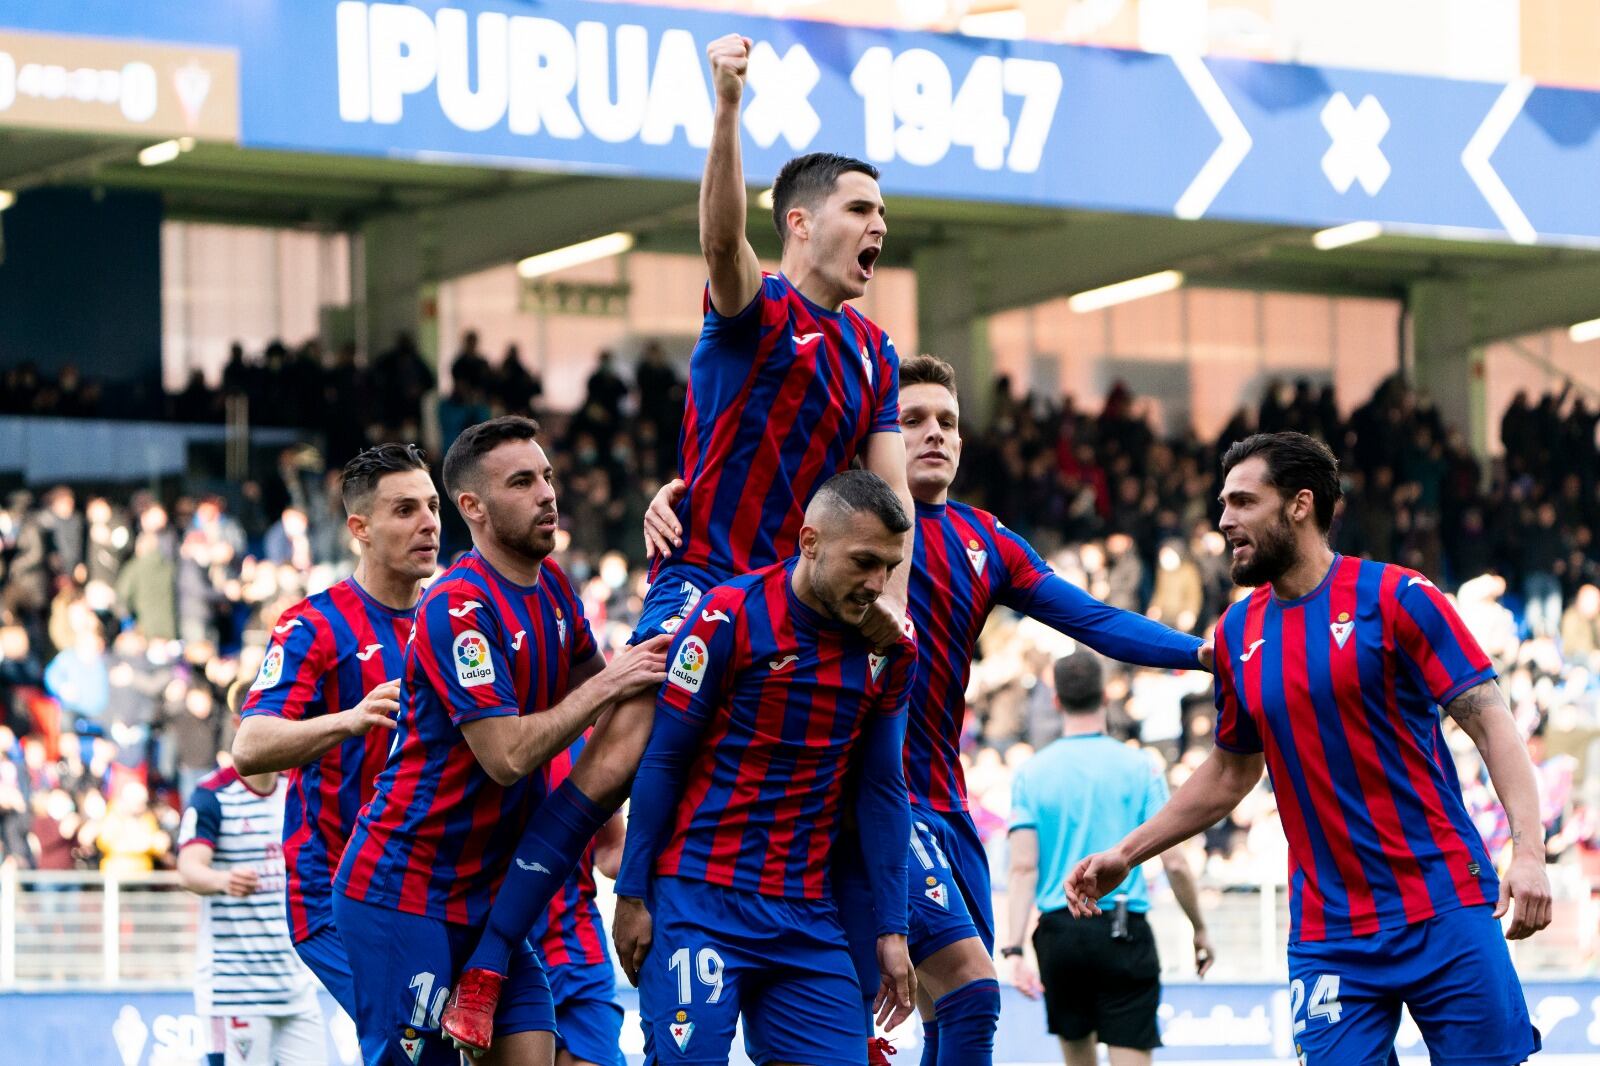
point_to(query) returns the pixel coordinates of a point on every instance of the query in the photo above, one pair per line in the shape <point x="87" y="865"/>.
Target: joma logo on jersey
<point x="471" y="654"/>
<point x="689" y="668"/>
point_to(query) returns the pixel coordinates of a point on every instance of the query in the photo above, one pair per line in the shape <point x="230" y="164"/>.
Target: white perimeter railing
<point x="83" y="929"/>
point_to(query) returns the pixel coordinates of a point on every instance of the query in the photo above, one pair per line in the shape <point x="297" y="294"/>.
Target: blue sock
<point x="930" y="1042"/>
<point x="967" y="1019"/>
<point x="558" y="831"/>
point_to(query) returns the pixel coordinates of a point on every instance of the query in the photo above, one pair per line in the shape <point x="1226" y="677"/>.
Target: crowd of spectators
<point x="126" y="619"/>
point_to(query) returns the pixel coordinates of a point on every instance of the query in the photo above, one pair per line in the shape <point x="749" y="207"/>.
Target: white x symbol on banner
<point x="1354" y="154"/>
<point x="782" y="86"/>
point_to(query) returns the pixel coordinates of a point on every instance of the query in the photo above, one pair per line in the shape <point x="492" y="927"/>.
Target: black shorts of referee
<point x="1094" y="985"/>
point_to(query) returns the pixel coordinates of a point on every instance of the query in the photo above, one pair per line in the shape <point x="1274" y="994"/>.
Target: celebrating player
<point x="773" y="698"/>
<point x="502" y="674"/>
<point x="572" y="946"/>
<point x="1331" y="673"/>
<point x="964" y="565"/>
<point x="787" y="386"/>
<point x="261" y="1001"/>
<point x="323" y="705"/>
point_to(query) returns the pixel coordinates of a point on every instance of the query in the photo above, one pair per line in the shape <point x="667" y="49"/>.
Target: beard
<point x="838" y="607"/>
<point x="525" y="539"/>
<point x="1272" y="554"/>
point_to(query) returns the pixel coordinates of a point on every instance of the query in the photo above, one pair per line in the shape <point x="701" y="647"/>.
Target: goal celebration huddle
<point x="798" y="862"/>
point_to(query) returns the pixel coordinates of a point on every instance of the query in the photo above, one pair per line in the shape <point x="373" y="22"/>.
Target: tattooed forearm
<point x="1468" y="707"/>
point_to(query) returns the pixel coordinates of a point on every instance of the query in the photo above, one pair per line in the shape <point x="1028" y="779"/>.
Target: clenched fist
<point x="730" y="61"/>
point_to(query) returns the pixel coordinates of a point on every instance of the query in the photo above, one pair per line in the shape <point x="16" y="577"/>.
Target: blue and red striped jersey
<point x="327" y="652"/>
<point x="781" y="397"/>
<point x="439" y="832"/>
<point x="966" y="563"/>
<point x="572" y="933"/>
<point x="1341" y="689"/>
<point x="782" y="695"/>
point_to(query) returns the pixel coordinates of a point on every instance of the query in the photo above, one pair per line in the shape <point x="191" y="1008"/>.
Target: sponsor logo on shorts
<point x="271" y="668"/>
<point x="937" y="892"/>
<point x="474" y="667"/>
<point x="689" y="668"/>
<point x="532" y="867"/>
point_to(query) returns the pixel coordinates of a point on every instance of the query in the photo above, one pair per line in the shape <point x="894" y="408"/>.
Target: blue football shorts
<point x="1453" y="972"/>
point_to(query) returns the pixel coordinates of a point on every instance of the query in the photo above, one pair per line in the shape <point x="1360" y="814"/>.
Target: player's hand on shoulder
<point x="662" y="530"/>
<point x="1208" y="656"/>
<point x="243" y="881"/>
<point x="1092" y="878"/>
<point x="632" y="930"/>
<point x="638" y="667"/>
<point x="378" y="708"/>
<point x="897" y="986"/>
<point x="730" y="61"/>
<point x="1526" y="886"/>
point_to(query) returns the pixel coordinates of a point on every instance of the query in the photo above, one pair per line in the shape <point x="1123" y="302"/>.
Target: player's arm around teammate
<point x="1482" y="714"/>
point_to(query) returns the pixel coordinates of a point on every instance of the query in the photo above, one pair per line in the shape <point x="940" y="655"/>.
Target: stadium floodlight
<point x="7" y="198"/>
<point x="165" y="152"/>
<point x="1350" y="233"/>
<point x="1123" y="291"/>
<point x="1583" y="332"/>
<point x="537" y="266"/>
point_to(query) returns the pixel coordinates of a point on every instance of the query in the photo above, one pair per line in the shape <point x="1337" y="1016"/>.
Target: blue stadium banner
<point x="1223" y="1024"/>
<point x="620" y="88"/>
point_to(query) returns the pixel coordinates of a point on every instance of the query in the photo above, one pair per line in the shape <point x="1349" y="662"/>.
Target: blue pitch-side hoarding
<point x="622" y="88"/>
<point x="1222" y="1024"/>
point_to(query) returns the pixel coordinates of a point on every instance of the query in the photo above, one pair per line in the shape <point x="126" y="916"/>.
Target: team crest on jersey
<point x="1341" y="628"/>
<point x="976" y="555"/>
<point x="681" y="1029"/>
<point x="689" y="668"/>
<point x="671" y="625"/>
<point x="271" y="668"/>
<point x="561" y="627"/>
<point x="875" y="664"/>
<point x="473" y="665"/>
<point x="244" y="1044"/>
<point x="937" y="892"/>
<point x="411" y="1044"/>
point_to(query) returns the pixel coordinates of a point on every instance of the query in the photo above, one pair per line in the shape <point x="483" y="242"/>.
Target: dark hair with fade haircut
<point x="928" y="370"/>
<point x="1080" y="682"/>
<point x="362" y="474"/>
<point x="807" y="180"/>
<point x="855" y="491"/>
<point x="461" y="461"/>
<point x="1294" y="462"/>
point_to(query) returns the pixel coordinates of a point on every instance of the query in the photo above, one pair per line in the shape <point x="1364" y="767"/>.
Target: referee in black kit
<point x="1082" y="794"/>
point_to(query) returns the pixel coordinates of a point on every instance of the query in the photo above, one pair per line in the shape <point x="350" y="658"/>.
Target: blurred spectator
<point x="147" y="587"/>
<point x="197" y="730"/>
<point x="288" y="542"/>
<point x="129" y="838"/>
<point x="1580" y="629"/>
<point x="1178" y="595"/>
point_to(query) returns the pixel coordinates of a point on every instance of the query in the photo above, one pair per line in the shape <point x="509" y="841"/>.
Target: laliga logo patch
<point x="936" y="892"/>
<point x="411" y="1044"/>
<point x="689" y="668"/>
<point x="976" y="555"/>
<point x="1341" y="628"/>
<point x="681" y="1029"/>
<point x="471" y="654"/>
<point x="271" y="668"/>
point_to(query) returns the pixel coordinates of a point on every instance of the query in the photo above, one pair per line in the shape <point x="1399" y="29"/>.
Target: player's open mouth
<point x="425" y="549"/>
<point x="547" y="522"/>
<point x="1238" y="544"/>
<point x="866" y="258"/>
<point x="933" y="457"/>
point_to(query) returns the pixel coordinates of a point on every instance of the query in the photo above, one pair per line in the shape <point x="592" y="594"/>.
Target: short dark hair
<point x="1080" y="682"/>
<point x="807" y="180"/>
<point x="855" y="491"/>
<point x="461" y="461"/>
<point x="1294" y="462"/>
<point x="927" y="370"/>
<point x="362" y="474"/>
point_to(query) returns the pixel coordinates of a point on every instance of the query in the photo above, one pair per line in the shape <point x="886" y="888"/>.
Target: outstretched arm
<point x="1111" y="631"/>
<point x="735" y="271"/>
<point x="1482" y="714"/>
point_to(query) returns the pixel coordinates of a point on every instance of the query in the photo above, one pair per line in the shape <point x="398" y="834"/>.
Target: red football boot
<point x="879" y="1050"/>
<point x="469" y="1018"/>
